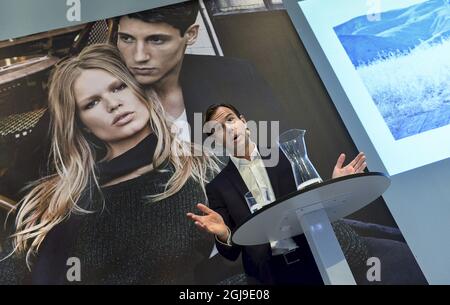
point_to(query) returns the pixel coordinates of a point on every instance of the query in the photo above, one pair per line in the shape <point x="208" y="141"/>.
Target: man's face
<point x="230" y="130"/>
<point x="152" y="51"/>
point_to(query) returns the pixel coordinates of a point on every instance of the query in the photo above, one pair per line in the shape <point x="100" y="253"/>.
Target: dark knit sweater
<point x="133" y="240"/>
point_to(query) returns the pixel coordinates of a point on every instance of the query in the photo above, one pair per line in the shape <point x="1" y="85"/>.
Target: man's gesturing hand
<point x="357" y="165"/>
<point x="211" y="222"/>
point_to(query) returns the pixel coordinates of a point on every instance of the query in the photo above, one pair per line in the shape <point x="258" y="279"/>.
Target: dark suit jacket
<point x="226" y="196"/>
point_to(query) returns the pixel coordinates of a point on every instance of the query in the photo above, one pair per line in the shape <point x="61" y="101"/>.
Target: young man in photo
<point x="153" y="45"/>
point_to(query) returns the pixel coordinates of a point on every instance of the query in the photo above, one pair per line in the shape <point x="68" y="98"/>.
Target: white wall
<point x="419" y="200"/>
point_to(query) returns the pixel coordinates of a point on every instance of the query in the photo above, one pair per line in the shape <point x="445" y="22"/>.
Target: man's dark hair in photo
<point x="181" y="15"/>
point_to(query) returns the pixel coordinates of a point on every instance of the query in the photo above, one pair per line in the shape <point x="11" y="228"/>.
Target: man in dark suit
<point x="247" y="170"/>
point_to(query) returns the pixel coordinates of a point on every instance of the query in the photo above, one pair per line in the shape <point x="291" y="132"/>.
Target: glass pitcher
<point x="292" y="143"/>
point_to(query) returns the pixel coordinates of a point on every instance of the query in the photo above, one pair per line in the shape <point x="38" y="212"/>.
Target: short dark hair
<point x="181" y="15"/>
<point x="212" y="110"/>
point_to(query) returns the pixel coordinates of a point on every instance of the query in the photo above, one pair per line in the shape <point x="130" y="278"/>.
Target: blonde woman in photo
<point x="121" y="187"/>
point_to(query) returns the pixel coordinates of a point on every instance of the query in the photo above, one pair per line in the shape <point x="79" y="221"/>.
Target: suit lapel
<point x="273" y="175"/>
<point x="281" y="176"/>
<point x="193" y="101"/>
<point x="235" y="178"/>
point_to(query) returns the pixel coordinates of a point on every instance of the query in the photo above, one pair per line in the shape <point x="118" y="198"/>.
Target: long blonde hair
<point x="54" y="198"/>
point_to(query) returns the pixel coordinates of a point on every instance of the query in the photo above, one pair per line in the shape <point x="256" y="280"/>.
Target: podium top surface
<point x="338" y="197"/>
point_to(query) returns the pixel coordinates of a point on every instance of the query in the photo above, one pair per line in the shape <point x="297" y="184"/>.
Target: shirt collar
<point x="239" y="162"/>
<point x="181" y="118"/>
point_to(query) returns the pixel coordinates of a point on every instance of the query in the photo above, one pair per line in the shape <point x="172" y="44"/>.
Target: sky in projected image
<point x="403" y="57"/>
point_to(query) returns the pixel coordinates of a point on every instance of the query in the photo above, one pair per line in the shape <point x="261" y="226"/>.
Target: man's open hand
<point x="210" y="222"/>
<point x="356" y="166"/>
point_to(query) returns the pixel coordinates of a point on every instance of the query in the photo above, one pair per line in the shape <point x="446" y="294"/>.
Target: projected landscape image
<point x="403" y="58"/>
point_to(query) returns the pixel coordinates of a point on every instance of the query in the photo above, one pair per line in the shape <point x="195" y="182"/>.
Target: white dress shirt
<point x="254" y="174"/>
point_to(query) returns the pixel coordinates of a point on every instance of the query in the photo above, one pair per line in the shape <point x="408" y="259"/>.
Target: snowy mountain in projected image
<point x="403" y="58"/>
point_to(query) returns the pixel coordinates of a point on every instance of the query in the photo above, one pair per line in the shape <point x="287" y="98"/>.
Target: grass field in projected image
<point x="404" y="61"/>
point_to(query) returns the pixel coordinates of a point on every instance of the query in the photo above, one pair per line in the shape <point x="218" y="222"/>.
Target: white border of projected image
<point x="392" y="58"/>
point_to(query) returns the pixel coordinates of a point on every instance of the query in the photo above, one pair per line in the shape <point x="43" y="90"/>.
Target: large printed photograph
<point x="403" y="60"/>
<point x="390" y="59"/>
<point x="103" y="179"/>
